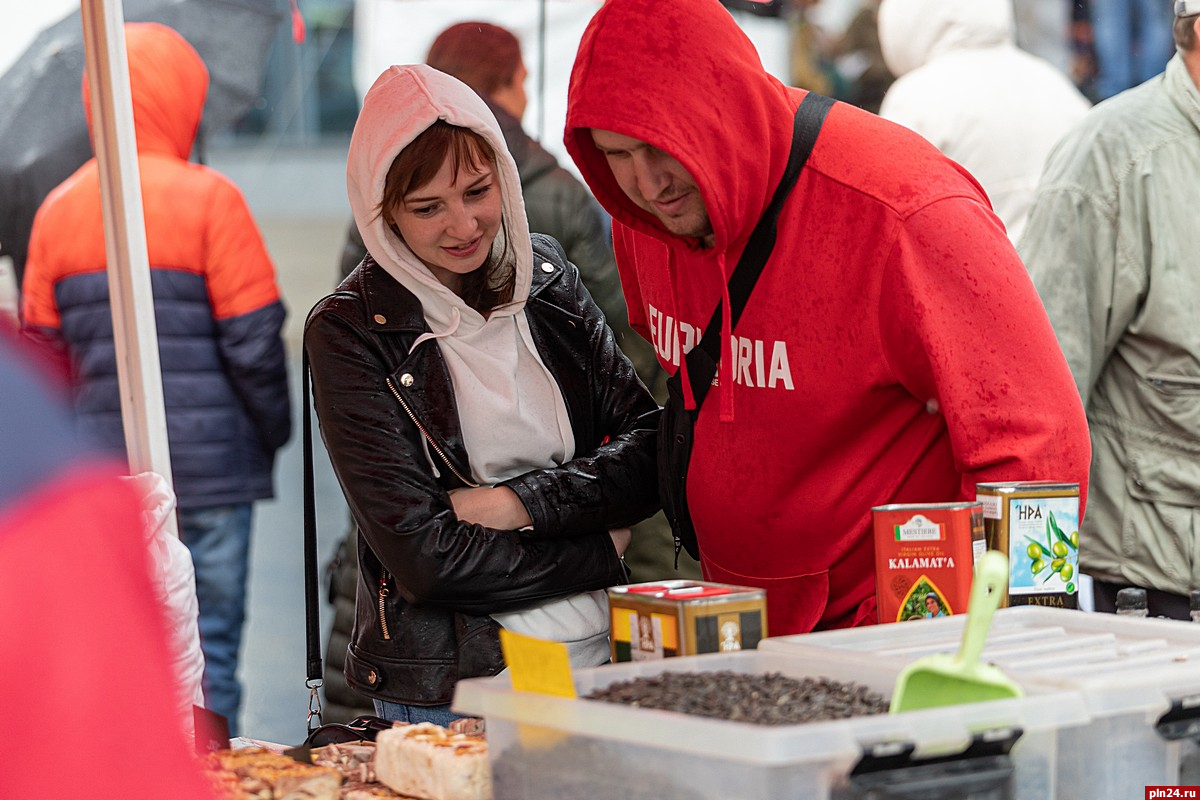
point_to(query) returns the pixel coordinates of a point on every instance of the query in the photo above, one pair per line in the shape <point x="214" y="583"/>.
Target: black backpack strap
<point x="312" y="621"/>
<point x="702" y="359"/>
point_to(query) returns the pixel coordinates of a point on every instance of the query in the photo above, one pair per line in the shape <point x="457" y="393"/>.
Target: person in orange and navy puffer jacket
<point x="219" y="317"/>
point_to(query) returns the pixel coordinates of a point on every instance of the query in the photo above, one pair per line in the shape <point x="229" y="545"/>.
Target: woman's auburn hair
<point x="416" y="165"/>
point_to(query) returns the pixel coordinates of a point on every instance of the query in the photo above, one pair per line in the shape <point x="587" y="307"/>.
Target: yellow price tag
<point x="537" y="665"/>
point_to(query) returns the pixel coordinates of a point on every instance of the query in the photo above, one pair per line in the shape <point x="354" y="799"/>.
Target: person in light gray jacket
<point x="1110" y="246"/>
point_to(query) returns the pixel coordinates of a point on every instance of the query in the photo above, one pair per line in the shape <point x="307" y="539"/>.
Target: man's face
<point x="657" y="183"/>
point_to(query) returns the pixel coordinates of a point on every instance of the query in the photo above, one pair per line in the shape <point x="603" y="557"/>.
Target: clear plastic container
<point x="1139" y="679"/>
<point x="544" y="747"/>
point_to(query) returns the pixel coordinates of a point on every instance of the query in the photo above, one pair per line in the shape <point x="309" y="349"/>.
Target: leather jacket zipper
<point x="429" y="438"/>
<point x="383" y="596"/>
<point x="678" y="543"/>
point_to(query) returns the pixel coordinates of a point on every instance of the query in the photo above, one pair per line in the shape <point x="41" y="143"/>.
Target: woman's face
<point x="450" y="223"/>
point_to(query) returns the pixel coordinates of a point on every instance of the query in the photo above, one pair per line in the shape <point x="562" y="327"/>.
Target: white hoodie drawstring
<point x="451" y="329"/>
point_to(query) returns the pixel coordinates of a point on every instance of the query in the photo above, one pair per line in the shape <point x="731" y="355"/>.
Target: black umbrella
<point x="43" y="132"/>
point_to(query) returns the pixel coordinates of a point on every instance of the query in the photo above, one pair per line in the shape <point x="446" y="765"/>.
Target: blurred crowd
<point x="1103" y="46"/>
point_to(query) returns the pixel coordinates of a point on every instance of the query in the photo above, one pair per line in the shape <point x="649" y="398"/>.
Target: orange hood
<point x="169" y="84"/>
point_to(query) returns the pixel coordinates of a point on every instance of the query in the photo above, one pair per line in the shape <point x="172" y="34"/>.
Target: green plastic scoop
<point x="946" y="680"/>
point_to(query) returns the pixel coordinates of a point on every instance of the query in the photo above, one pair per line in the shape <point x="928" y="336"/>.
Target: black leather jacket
<point x="428" y="581"/>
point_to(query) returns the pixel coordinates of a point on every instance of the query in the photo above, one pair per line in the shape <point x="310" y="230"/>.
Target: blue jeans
<point x="398" y="712"/>
<point x="1133" y="42"/>
<point x="219" y="540"/>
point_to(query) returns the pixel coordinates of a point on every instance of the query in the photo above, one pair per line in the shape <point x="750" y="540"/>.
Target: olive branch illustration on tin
<point x="1054" y="553"/>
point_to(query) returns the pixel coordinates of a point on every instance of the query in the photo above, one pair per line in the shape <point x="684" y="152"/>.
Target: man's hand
<point x="494" y="507"/>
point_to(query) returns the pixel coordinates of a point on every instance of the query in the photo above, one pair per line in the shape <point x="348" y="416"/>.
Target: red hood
<point x="714" y="109"/>
<point x="169" y="83"/>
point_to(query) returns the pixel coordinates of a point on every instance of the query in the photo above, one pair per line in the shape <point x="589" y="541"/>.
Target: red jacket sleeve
<point x="963" y="324"/>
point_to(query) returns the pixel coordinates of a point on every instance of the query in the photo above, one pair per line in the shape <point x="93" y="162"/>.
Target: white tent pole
<point x="135" y="332"/>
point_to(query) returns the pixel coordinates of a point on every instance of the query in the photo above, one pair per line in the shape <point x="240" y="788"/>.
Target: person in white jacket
<point x="173" y="577"/>
<point x="962" y="83"/>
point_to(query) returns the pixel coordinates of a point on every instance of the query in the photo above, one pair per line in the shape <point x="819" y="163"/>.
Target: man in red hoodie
<point x="893" y="349"/>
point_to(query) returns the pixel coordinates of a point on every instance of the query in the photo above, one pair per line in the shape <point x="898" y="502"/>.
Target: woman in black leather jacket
<point x="492" y="441"/>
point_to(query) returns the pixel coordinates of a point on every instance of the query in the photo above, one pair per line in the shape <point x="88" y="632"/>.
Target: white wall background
<point x="22" y="20"/>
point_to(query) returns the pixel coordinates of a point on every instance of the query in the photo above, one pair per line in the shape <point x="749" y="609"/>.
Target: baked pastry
<point x="473" y="726"/>
<point x="355" y="760"/>
<point x="255" y="773"/>
<point x="369" y="791"/>
<point x="430" y="762"/>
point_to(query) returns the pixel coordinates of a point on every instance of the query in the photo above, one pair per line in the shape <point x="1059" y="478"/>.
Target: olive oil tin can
<point x="925" y="557"/>
<point x="1036" y="524"/>
<point x="681" y="617"/>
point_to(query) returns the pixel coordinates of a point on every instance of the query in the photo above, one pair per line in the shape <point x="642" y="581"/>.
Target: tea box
<point x="925" y="557"/>
<point x="681" y="617"/>
<point x="1036" y="524"/>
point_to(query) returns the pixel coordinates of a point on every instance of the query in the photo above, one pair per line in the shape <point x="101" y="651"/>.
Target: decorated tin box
<point x="1036" y="524"/>
<point x="674" y="618"/>
<point x="925" y="557"/>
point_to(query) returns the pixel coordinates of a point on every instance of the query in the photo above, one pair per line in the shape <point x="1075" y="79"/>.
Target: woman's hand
<point x="621" y="537"/>
<point x="494" y="507"/>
